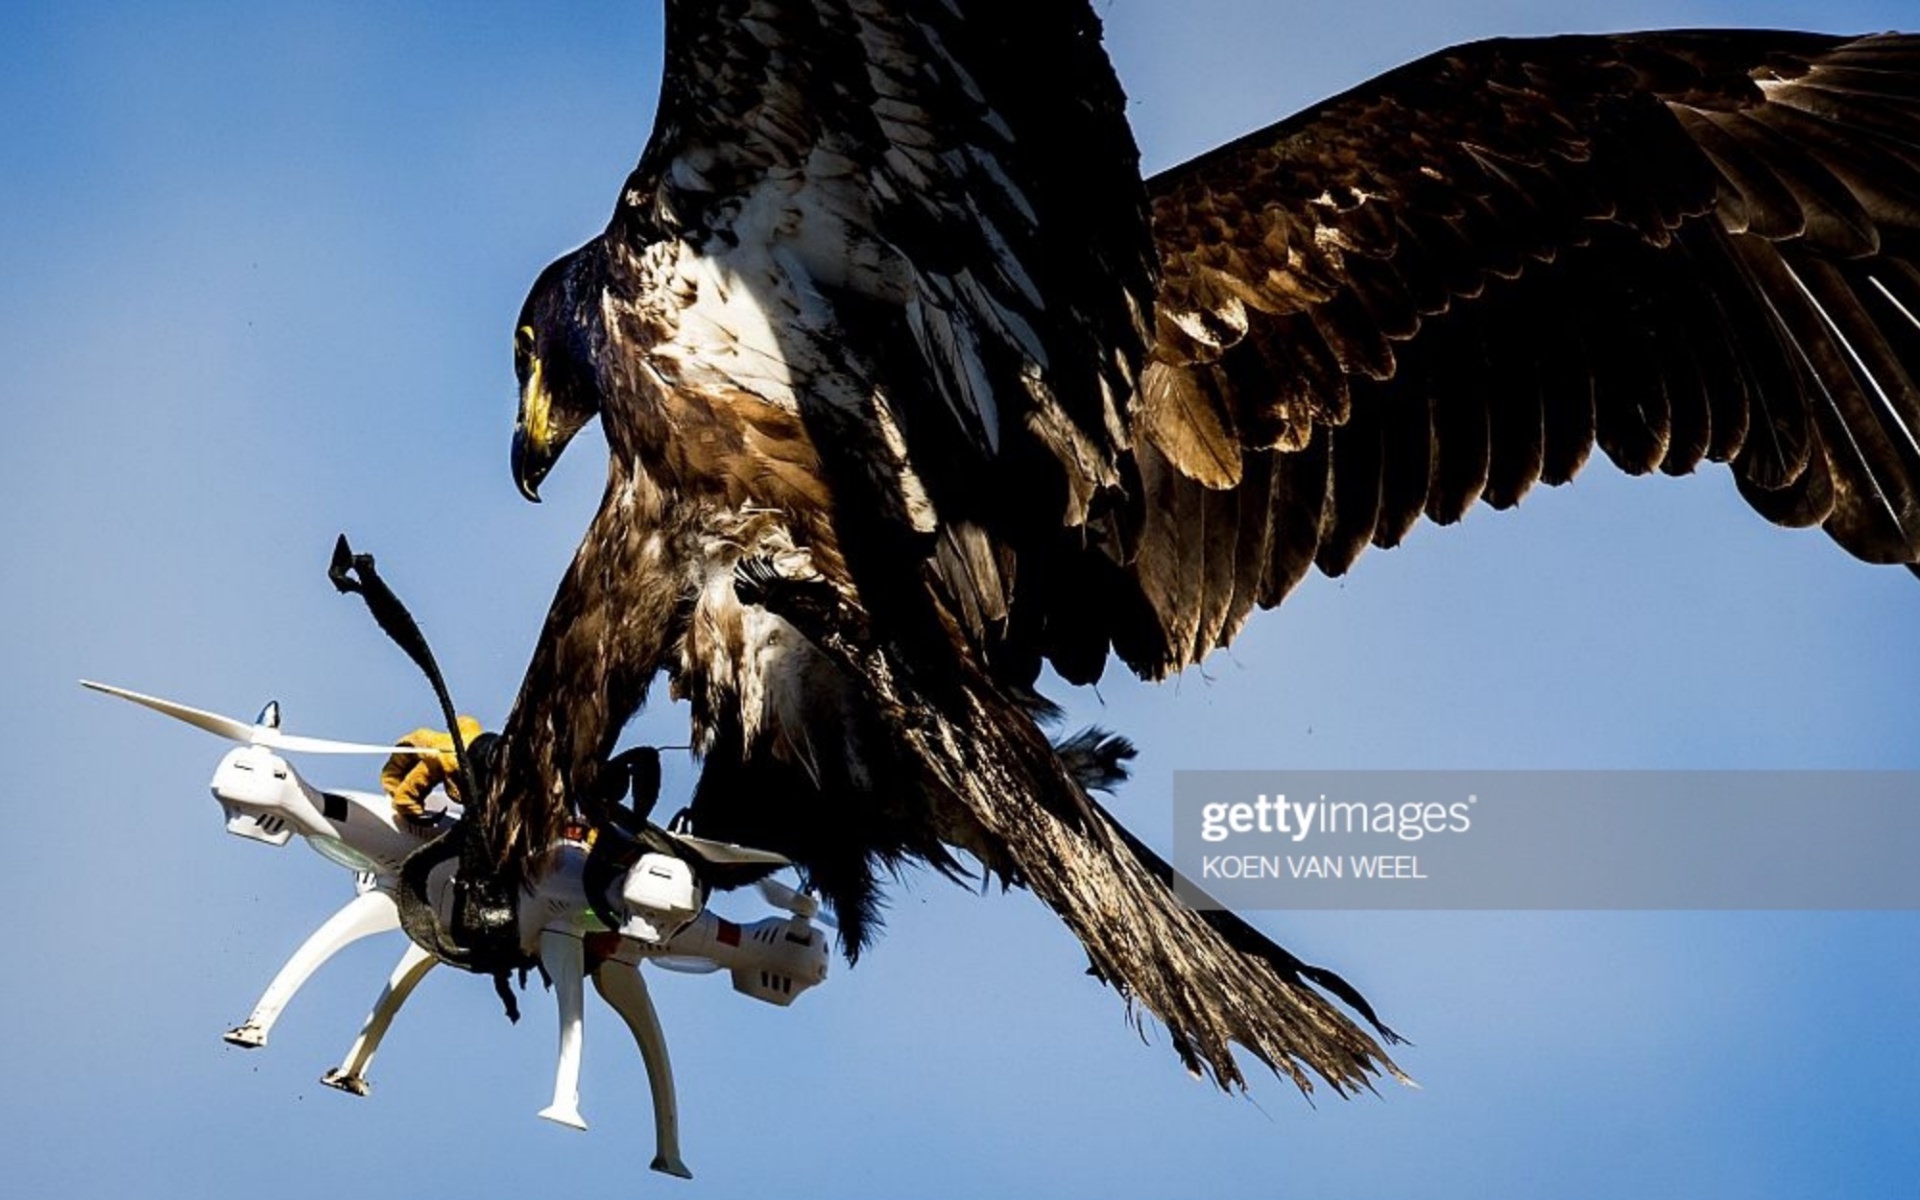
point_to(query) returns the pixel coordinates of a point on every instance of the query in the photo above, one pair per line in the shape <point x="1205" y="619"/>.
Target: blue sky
<point x="257" y="283"/>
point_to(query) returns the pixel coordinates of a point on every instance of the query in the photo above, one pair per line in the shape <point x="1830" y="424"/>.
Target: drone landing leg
<point x="351" y="1075"/>
<point x="366" y="914"/>
<point x="564" y="957"/>
<point x="625" y="991"/>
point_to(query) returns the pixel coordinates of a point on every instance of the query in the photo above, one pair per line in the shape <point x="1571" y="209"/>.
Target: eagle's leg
<point x="485" y="932"/>
<point x="482" y="934"/>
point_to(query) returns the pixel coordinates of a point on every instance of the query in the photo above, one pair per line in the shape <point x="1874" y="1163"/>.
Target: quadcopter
<point x="575" y="922"/>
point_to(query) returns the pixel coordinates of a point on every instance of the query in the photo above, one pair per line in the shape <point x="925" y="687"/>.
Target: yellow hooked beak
<point x="533" y="448"/>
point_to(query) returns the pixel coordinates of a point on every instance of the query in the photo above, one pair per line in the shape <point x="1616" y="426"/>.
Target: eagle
<point x="912" y="387"/>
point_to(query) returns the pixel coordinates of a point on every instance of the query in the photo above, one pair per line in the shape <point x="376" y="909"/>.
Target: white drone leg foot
<point x="625" y="991"/>
<point x="366" y="914"/>
<point x="564" y="957"/>
<point x="351" y="1075"/>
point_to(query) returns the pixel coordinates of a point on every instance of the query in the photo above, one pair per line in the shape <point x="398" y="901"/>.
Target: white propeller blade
<point x="799" y="903"/>
<point x="273" y="739"/>
<point x="247" y="733"/>
<point x="728" y="854"/>
<point x="684" y="964"/>
<point x="214" y="723"/>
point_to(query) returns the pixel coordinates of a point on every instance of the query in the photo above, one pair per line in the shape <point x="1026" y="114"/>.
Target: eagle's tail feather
<point x="1209" y="977"/>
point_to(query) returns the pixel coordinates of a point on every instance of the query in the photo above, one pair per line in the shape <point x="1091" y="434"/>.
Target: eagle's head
<point x="553" y="356"/>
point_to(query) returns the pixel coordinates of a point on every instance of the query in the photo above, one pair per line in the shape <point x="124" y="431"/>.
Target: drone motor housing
<point x="266" y="800"/>
<point x="773" y="959"/>
<point x="660" y="896"/>
<point x="256" y="790"/>
<point x="784" y="958"/>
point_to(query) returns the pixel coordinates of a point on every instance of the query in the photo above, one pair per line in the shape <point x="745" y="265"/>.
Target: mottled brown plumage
<point x="912" y="384"/>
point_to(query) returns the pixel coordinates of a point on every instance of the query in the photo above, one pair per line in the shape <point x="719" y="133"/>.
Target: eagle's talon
<point x="754" y="578"/>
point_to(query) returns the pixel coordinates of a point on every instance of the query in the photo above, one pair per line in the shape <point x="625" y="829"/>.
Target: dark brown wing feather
<point x="1454" y="281"/>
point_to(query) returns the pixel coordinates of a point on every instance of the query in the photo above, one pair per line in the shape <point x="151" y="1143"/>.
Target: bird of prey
<point x="912" y="386"/>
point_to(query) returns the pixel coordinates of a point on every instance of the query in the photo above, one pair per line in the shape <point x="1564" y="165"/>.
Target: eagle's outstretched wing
<point x="1453" y="281"/>
<point x="902" y="403"/>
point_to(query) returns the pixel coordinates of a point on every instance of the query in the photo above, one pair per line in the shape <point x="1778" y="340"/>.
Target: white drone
<point x="660" y="902"/>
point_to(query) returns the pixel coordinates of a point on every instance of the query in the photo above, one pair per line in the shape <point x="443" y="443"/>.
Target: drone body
<point x="656" y="904"/>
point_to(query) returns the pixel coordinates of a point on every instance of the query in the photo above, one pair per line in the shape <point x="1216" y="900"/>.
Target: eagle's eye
<point x="523" y="342"/>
